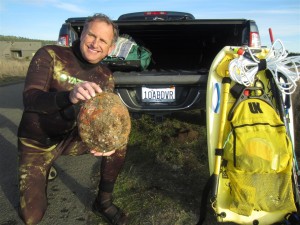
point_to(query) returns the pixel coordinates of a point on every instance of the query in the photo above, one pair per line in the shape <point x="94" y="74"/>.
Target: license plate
<point x="158" y="94"/>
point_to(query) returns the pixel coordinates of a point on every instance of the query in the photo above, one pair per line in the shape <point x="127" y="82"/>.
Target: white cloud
<point x="284" y="30"/>
<point x="70" y="7"/>
<point x="263" y="12"/>
<point x="37" y="2"/>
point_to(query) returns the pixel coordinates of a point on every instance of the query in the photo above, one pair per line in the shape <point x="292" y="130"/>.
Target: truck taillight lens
<point x="156" y="13"/>
<point x="63" y="40"/>
<point x="255" y="40"/>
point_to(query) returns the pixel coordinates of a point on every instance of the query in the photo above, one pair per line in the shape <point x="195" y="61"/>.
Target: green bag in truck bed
<point x="128" y="55"/>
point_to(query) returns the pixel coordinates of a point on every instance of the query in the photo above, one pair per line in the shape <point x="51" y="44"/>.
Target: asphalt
<point x="70" y="195"/>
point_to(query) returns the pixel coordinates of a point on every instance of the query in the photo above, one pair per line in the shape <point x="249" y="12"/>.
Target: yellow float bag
<point x="259" y="158"/>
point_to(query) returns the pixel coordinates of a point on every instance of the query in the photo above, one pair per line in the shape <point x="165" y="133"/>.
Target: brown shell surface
<point x="104" y="123"/>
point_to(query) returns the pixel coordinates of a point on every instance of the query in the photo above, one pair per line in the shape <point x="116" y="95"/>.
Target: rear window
<point x="157" y="15"/>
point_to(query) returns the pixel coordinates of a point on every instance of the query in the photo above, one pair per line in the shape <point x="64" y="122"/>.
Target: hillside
<point x="14" y="38"/>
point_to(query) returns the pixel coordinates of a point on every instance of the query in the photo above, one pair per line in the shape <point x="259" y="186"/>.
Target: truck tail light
<point x="155" y="13"/>
<point x="255" y="40"/>
<point x="63" y="40"/>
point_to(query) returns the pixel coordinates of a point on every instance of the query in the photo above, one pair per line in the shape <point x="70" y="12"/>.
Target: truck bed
<point x="182" y="45"/>
<point x="185" y="45"/>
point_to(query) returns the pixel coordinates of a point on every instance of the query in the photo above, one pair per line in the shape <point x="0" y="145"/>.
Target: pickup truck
<point x="182" y="48"/>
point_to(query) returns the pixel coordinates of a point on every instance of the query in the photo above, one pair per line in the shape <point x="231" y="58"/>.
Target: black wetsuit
<point x="48" y="125"/>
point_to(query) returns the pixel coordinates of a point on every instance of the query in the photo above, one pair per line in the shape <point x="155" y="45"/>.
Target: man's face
<point x="96" y="41"/>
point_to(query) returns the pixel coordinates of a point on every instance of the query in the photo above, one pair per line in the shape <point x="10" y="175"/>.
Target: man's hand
<point x="95" y="153"/>
<point x="84" y="91"/>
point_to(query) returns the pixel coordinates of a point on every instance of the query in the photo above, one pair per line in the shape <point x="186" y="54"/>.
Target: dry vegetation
<point x="12" y="69"/>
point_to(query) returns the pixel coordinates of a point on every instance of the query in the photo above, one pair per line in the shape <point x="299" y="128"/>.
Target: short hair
<point x="103" y="18"/>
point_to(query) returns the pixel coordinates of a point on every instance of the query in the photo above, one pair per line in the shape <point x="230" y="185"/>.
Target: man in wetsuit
<point x="59" y="79"/>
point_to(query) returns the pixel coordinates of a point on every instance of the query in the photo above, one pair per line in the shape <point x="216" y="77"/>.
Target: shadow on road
<point x="9" y="162"/>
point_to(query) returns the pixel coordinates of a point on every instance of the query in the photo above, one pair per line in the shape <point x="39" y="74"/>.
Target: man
<point x="59" y="79"/>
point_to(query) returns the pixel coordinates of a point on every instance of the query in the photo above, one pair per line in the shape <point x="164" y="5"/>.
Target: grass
<point x="165" y="170"/>
<point x="12" y="70"/>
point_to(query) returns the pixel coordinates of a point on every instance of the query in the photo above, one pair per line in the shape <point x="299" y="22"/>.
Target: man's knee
<point x="32" y="216"/>
<point x="33" y="196"/>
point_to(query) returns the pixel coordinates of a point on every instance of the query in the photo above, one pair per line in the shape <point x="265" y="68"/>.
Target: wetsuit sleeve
<point x="37" y="96"/>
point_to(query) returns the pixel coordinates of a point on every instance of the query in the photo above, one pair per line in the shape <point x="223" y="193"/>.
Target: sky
<point x="42" y="19"/>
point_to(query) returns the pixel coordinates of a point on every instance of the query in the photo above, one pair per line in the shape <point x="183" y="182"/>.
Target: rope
<point x="285" y="70"/>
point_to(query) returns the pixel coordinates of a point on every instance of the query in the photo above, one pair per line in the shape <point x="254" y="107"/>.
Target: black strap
<point x="236" y="90"/>
<point x="219" y="151"/>
<point x="226" y="80"/>
<point x="262" y="65"/>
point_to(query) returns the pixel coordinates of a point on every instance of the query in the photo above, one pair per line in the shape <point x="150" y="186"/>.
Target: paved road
<point x="72" y="192"/>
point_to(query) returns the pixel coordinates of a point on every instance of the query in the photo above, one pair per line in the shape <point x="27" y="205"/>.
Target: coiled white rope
<point x="285" y="70"/>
